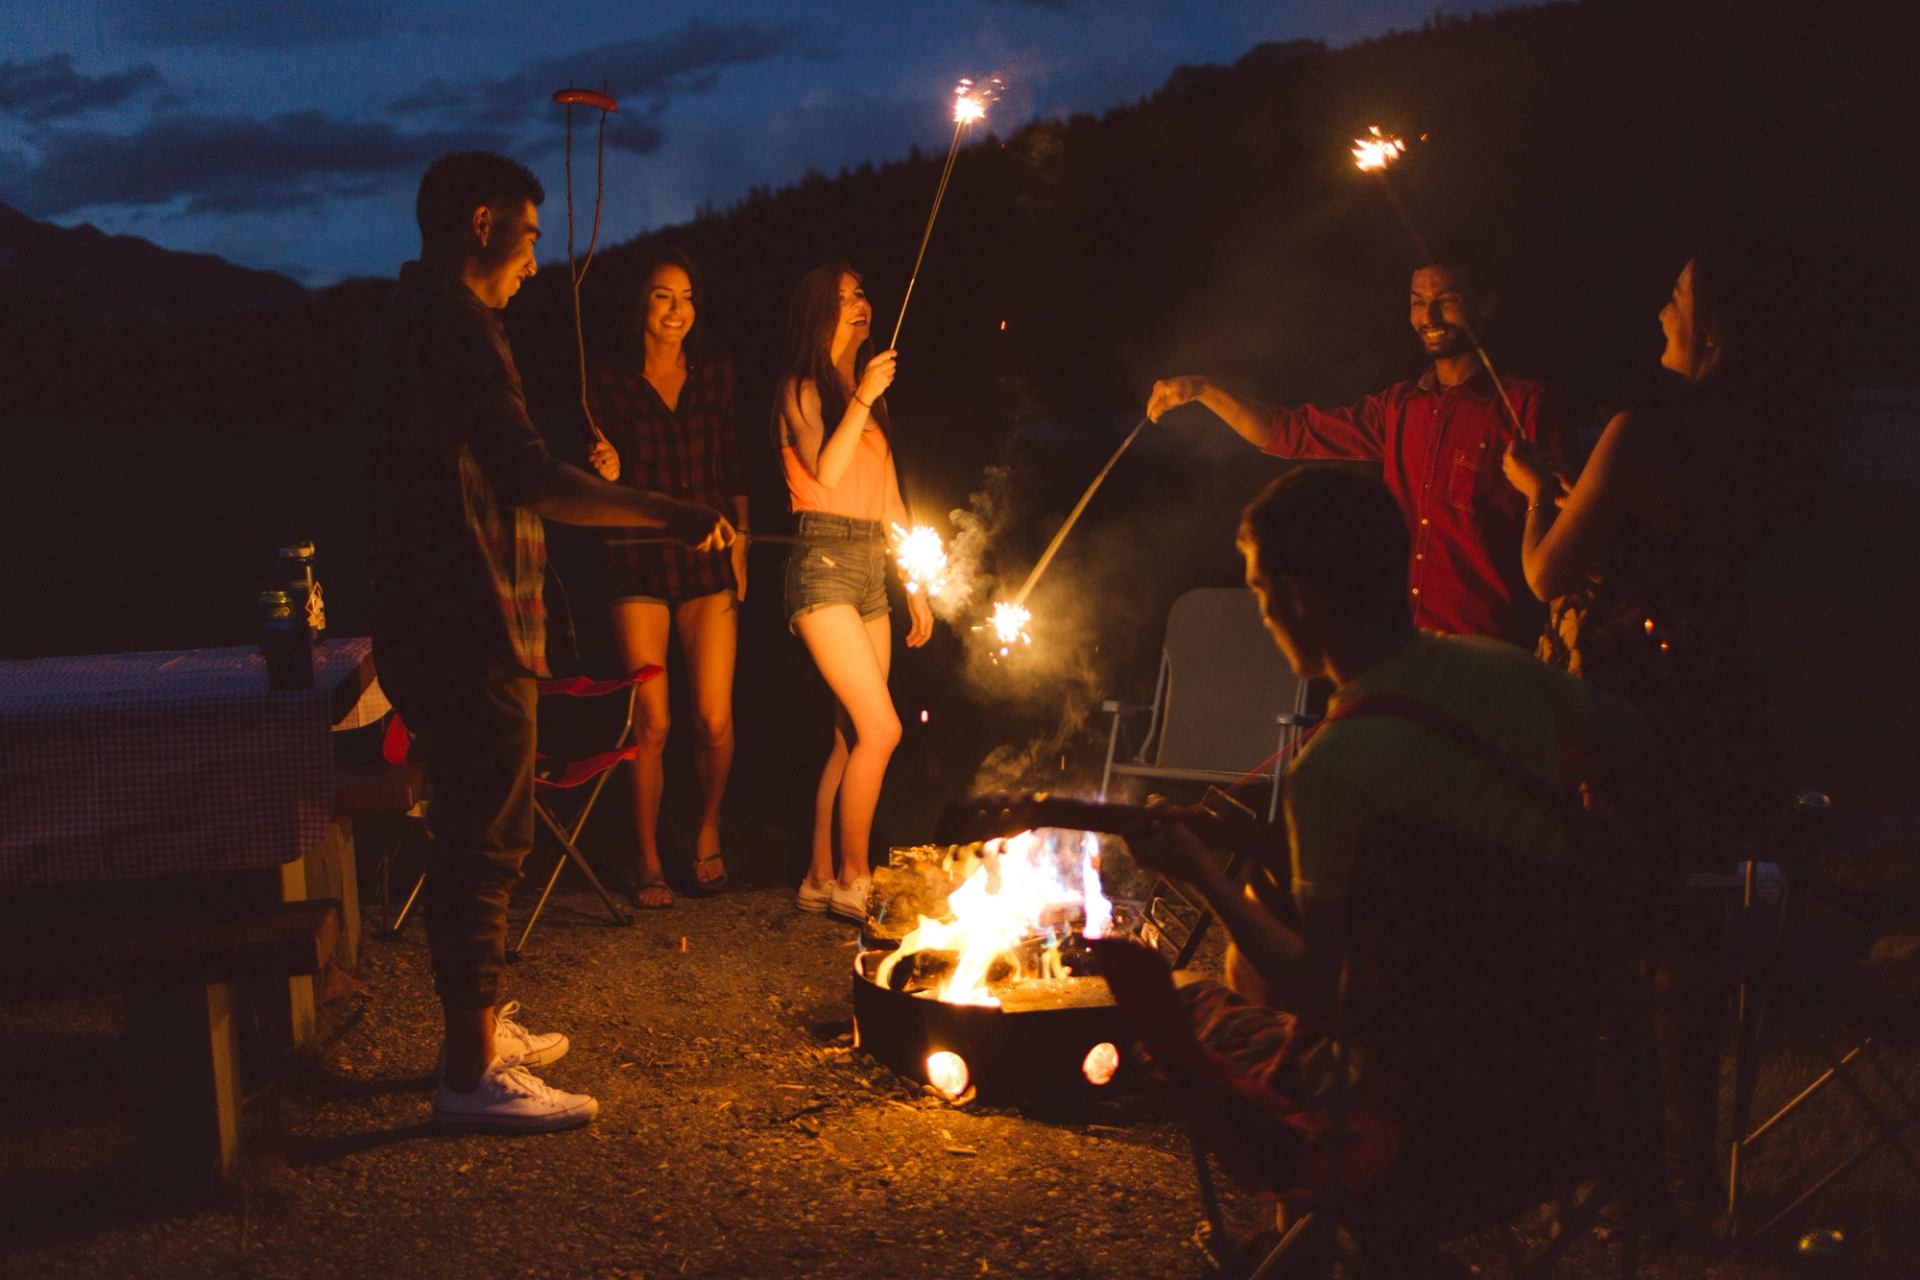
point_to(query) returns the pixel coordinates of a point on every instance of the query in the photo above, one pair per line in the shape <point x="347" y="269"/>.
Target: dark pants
<point x="473" y="717"/>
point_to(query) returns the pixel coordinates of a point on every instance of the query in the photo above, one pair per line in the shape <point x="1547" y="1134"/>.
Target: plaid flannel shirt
<point x="456" y="563"/>
<point x="690" y="452"/>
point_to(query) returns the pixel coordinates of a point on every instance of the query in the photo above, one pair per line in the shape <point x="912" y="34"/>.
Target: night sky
<point x="290" y="135"/>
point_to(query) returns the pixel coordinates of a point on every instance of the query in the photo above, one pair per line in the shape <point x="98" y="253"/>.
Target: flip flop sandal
<point x="718" y="882"/>
<point x="639" y="892"/>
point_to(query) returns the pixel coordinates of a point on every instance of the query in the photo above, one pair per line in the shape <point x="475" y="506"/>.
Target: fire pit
<point x="974" y="976"/>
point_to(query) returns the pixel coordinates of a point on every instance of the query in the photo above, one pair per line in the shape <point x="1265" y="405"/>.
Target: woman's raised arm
<point x="829" y="455"/>
<point x="1564" y="539"/>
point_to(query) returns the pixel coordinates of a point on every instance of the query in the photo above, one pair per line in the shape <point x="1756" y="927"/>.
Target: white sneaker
<point x="849" y="902"/>
<point x="511" y="1099"/>
<point x="515" y="1044"/>
<point x="813" y="897"/>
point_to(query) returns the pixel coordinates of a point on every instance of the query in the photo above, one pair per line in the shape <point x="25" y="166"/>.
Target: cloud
<point x="644" y="74"/>
<point x="259" y="24"/>
<point x="50" y="89"/>
<point x="227" y="164"/>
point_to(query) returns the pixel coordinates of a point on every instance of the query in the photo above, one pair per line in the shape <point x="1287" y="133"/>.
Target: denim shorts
<point x="844" y="561"/>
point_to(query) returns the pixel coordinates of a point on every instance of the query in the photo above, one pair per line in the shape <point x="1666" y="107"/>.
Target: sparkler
<point x="970" y="102"/>
<point x="1375" y="154"/>
<point x="1060" y="534"/>
<point x="1009" y="623"/>
<point x="604" y="103"/>
<point x="922" y="559"/>
<point x="1011" y="617"/>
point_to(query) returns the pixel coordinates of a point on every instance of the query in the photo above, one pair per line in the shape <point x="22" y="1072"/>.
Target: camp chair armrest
<point x="1298" y="719"/>
<point x="1114" y="707"/>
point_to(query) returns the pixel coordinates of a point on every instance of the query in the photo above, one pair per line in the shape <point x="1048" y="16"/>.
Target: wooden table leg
<point x="185" y="1087"/>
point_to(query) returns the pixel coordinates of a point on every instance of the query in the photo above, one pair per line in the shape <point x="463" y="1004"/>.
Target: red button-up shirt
<point x="1440" y="449"/>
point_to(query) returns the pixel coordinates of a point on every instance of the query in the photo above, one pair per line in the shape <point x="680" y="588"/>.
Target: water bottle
<point x="286" y="643"/>
<point x="296" y="576"/>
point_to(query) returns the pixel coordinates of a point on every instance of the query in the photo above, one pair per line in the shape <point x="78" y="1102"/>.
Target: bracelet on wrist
<point x="864" y="404"/>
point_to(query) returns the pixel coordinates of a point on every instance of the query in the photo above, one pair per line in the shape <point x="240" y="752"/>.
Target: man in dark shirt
<point x="460" y="480"/>
<point x="1439" y="439"/>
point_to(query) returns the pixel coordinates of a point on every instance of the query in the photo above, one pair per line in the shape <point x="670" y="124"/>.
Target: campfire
<point x="975" y="976"/>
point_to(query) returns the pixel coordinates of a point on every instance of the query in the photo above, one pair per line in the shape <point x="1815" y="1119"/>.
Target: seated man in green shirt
<point x="1464" y="734"/>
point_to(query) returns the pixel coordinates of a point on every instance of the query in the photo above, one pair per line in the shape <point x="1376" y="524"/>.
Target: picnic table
<point x="180" y="785"/>
<point x="128" y="767"/>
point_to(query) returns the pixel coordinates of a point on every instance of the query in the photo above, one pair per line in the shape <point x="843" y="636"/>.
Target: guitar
<point x="1218" y="820"/>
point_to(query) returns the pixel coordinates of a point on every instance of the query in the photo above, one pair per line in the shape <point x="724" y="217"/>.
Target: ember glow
<point x="1025" y="890"/>
<point x="922" y="558"/>
<point x="1373" y="153"/>
<point x="1101" y="1062"/>
<point x="947" y="1072"/>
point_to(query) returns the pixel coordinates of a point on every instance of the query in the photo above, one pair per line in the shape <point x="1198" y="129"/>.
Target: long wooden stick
<point x="772" y="539"/>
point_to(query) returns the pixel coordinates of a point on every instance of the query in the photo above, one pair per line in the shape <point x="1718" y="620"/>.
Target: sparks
<point x="1377" y="150"/>
<point x="970" y="100"/>
<point x="922" y="559"/>
<point x="1009" y="623"/>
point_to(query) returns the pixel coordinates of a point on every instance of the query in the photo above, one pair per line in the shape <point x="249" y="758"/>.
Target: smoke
<point x="975" y="529"/>
<point x="1162" y="522"/>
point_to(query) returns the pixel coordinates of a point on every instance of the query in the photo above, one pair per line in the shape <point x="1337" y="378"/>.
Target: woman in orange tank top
<point x="831" y="427"/>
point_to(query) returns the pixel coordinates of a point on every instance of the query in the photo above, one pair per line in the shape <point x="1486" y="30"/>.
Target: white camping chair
<point x="1227" y="709"/>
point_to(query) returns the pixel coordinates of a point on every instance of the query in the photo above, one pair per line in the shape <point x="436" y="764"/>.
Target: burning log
<point x="914" y="883"/>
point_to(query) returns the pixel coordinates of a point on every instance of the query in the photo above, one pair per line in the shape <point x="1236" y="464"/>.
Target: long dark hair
<point x="1760" y="366"/>
<point x="666" y="256"/>
<point x="807" y="354"/>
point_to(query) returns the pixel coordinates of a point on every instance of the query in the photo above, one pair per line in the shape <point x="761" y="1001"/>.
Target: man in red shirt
<point x="1439" y="439"/>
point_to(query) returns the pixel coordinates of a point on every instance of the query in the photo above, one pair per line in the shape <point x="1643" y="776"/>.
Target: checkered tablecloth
<point x="120" y="766"/>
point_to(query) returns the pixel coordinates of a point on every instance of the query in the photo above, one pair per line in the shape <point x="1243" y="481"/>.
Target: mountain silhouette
<point x="84" y="273"/>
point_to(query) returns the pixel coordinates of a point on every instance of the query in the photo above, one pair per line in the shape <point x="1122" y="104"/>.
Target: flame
<point x="1016" y="892"/>
<point x="922" y="558"/>
<point x="1009" y="623"/>
<point x="970" y="100"/>
<point x="1375" y="152"/>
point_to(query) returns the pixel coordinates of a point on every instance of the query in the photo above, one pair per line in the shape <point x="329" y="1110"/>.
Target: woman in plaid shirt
<point x="666" y="410"/>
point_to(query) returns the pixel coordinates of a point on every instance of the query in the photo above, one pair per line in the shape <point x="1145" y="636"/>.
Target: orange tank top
<point x="862" y="491"/>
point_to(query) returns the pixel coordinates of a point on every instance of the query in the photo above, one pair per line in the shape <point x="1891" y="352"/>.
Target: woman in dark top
<point x="666" y="409"/>
<point x="1646" y="560"/>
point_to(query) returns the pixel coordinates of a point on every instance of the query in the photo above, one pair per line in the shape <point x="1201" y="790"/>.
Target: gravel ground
<point x="740" y="1135"/>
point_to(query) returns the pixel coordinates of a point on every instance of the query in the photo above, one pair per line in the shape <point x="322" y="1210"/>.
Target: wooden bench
<point x="176" y="971"/>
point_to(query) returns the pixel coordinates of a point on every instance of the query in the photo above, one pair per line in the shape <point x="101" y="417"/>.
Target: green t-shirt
<point x="1358" y="771"/>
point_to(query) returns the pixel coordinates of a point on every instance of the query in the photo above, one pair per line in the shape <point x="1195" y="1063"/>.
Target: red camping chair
<point x="556" y="775"/>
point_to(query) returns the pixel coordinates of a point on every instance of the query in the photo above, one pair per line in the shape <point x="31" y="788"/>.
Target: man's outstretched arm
<point x="1355" y="434"/>
<point x="1251" y="420"/>
<point x="571" y="496"/>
